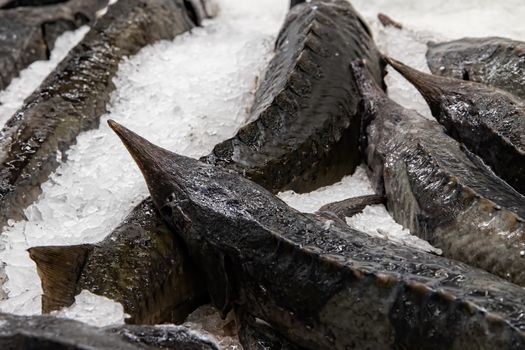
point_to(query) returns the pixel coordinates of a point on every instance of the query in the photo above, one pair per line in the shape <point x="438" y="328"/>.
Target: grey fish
<point x="141" y="265"/>
<point x="489" y="121"/>
<point x="51" y="333"/>
<point x="304" y="129"/>
<point x="28" y="34"/>
<point x="440" y="191"/>
<point x="322" y="286"/>
<point x="75" y="95"/>
<point x="352" y="206"/>
<point x="494" y="61"/>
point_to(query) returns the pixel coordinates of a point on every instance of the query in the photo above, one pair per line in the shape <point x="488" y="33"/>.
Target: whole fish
<point x="489" y="121"/>
<point x="141" y="265"/>
<point x="322" y="286"/>
<point x="494" y="61"/>
<point x="51" y="333"/>
<point x="73" y="98"/>
<point x="304" y="129"/>
<point x="28" y="34"/>
<point x="440" y="191"/>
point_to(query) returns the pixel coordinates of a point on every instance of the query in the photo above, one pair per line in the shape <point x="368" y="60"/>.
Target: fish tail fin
<point x="428" y="85"/>
<point x="59" y="269"/>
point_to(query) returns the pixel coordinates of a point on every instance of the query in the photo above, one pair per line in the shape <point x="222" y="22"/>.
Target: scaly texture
<point x="75" y="95"/>
<point x="494" y="61"/>
<point x="28" y="34"/>
<point x="489" y="121"/>
<point x="304" y="130"/>
<point x="321" y="285"/>
<point x="140" y="265"/>
<point x="440" y="191"/>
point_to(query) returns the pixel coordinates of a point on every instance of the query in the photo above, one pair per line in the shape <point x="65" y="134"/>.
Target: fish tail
<point x="59" y="269"/>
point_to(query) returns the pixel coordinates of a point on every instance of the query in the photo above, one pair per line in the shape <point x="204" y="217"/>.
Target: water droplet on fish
<point x="522" y="253"/>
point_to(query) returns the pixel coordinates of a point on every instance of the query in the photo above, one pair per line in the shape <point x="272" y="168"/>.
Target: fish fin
<point x="59" y="269"/>
<point x="352" y="206"/>
<point x="386" y="21"/>
<point x="218" y="281"/>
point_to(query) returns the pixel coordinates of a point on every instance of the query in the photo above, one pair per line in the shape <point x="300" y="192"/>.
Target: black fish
<point x="440" y="191"/>
<point x="494" y="61"/>
<point x="28" y="34"/>
<point x="322" y="286"/>
<point x="352" y="206"/>
<point x="305" y="127"/>
<point x="141" y="265"/>
<point x="490" y="122"/>
<point x="51" y="333"/>
<point x="75" y="95"/>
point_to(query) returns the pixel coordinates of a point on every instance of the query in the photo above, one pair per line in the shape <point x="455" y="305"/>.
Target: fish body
<point x="304" y="128"/>
<point x="499" y="62"/>
<point x="442" y="192"/>
<point x="490" y="122"/>
<point x="51" y="333"/>
<point x="28" y="34"/>
<point x="322" y="286"/>
<point x="141" y="265"/>
<point x="73" y="98"/>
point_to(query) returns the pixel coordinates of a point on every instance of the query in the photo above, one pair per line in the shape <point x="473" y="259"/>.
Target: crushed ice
<point x="12" y="98"/>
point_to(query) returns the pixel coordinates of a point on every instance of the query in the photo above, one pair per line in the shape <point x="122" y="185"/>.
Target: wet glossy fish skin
<point x="72" y="99"/>
<point x="490" y="122"/>
<point x="141" y="265"/>
<point x="303" y="277"/>
<point x="352" y="206"/>
<point x="51" y="333"/>
<point x="28" y="34"/>
<point x="440" y="191"/>
<point x="304" y="129"/>
<point x="495" y="61"/>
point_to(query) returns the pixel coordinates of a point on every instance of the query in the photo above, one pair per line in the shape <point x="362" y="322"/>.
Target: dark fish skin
<point x="28" y="34"/>
<point x="499" y="62"/>
<point x="304" y="132"/>
<point x="75" y="95"/>
<point x="489" y="121"/>
<point x="352" y="206"/>
<point x="440" y="191"/>
<point x="141" y="265"/>
<point x="388" y="22"/>
<point x="322" y="286"/>
<point x="51" y="333"/>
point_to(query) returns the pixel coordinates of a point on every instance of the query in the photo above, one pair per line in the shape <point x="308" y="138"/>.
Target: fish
<point x="386" y="21"/>
<point x="495" y="61"/>
<point x="322" y="286"/>
<point x="490" y="122"/>
<point x="352" y="206"/>
<point x="441" y="191"/>
<point x="141" y="265"/>
<point x="72" y="99"/>
<point x="304" y="128"/>
<point x="52" y="333"/>
<point x="28" y="34"/>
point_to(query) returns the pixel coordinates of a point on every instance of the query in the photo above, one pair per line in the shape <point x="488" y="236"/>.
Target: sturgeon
<point x="141" y="265"/>
<point x="51" y="333"/>
<point x="439" y="190"/>
<point x="489" y="121"/>
<point x="494" y="61"/>
<point x="304" y="129"/>
<point x="28" y="34"/>
<point x="72" y="99"/>
<point x="322" y="286"/>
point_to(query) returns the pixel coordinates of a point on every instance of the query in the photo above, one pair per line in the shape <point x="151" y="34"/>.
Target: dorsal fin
<point x="59" y="269"/>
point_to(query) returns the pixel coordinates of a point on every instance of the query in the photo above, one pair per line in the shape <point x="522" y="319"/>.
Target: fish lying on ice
<point x="322" y="286"/>
<point x="141" y="265"/>
<point x="489" y="121"/>
<point x="304" y="129"/>
<point x="439" y="190"/>
<point x="493" y="61"/>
